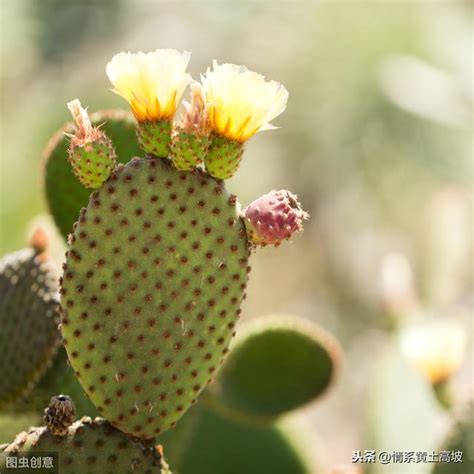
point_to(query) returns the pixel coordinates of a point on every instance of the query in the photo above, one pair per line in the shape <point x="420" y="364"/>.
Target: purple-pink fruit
<point x="273" y="218"/>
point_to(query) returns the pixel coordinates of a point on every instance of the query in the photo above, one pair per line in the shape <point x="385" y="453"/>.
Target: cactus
<point x="59" y="378"/>
<point x="205" y="442"/>
<point x="223" y="158"/>
<point x="91" y="153"/>
<point x="155" y="137"/>
<point x="27" y="313"/>
<point x="86" y="447"/>
<point x="190" y="141"/>
<point x="273" y="218"/>
<point x="60" y="415"/>
<point x="151" y="292"/>
<point x="64" y="193"/>
<point x="155" y="272"/>
<point x="277" y="364"/>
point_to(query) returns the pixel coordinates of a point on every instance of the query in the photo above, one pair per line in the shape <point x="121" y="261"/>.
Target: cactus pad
<point x="28" y="321"/>
<point x="89" y="447"/>
<point x="223" y="157"/>
<point x="155" y="274"/>
<point x="277" y="364"/>
<point x="64" y="193"/>
<point x="208" y="443"/>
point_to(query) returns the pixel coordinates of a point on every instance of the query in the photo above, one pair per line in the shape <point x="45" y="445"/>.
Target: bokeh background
<point x="376" y="141"/>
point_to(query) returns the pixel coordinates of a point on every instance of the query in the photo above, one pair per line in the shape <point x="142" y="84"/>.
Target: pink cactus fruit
<point x="273" y="218"/>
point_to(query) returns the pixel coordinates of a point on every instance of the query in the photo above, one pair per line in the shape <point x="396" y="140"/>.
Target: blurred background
<point x="377" y="143"/>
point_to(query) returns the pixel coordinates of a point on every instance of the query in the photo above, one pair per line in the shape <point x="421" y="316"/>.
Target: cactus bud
<point x="91" y="153"/>
<point x="191" y="138"/>
<point x="60" y="415"/>
<point x="273" y="218"/>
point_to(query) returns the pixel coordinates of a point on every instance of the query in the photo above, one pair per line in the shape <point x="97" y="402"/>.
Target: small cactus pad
<point x="91" y="152"/>
<point x="223" y="157"/>
<point x="273" y="218"/>
<point x="277" y="364"/>
<point x="155" y="274"/>
<point x="64" y="193"/>
<point x="204" y="442"/>
<point x="188" y="150"/>
<point x="60" y="415"/>
<point x="28" y="336"/>
<point x="88" y="447"/>
<point x="155" y="137"/>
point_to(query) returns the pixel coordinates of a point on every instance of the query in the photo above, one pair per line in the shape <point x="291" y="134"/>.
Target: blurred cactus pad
<point x="277" y="364"/>
<point x="28" y="321"/>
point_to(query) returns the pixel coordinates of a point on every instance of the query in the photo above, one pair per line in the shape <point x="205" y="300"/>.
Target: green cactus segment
<point x="155" y="137"/>
<point x="93" y="162"/>
<point x="89" y="447"/>
<point x="277" y="364"/>
<point x="64" y="193"/>
<point x="155" y="274"/>
<point x="59" y="378"/>
<point x="223" y="157"/>
<point x="188" y="150"/>
<point x="28" y="337"/>
<point x="460" y="439"/>
<point x="208" y="443"/>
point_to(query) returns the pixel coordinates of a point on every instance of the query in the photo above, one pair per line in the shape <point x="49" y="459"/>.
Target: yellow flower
<point x="152" y="83"/>
<point x="437" y="349"/>
<point x="241" y="102"/>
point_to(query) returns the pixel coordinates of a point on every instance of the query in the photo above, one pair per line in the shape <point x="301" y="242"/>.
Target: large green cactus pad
<point x="90" y="447"/>
<point x="155" y="274"/>
<point x="28" y="322"/>
<point x="276" y="364"/>
<point x="204" y="442"/>
<point x="64" y="193"/>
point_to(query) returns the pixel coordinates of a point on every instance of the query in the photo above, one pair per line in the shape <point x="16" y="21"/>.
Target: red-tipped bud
<point x="91" y="153"/>
<point x="273" y="218"/>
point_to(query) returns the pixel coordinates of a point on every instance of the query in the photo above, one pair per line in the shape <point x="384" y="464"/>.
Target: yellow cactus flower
<point x="152" y="83"/>
<point x="436" y="349"/>
<point x="241" y="102"/>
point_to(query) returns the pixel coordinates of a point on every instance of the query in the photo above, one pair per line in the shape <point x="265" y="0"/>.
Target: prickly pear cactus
<point x="155" y="274"/>
<point x="88" y="447"/>
<point x="157" y="263"/>
<point x="27" y="313"/>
